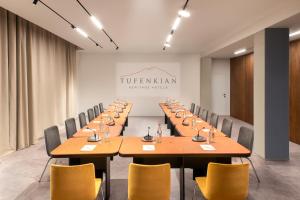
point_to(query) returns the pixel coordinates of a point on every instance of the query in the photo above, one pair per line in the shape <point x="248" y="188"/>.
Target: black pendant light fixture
<point x="183" y="13"/>
<point x="79" y="30"/>
<point x="98" y="24"/>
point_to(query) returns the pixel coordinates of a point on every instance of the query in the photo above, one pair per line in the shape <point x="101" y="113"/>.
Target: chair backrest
<point x="227" y="181"/>
<point x="73" y="182"/>
<point x="192" y="108"/>
<point x="91" y="114"/>
<point x="101" y="107"/>
<point x="149" y="182"/>
<point x="197" y="110"/>
<point x="52" y="139"/>
<point x="204" y="115"/>
<point x="214" y="118"/>
<point x="246" y="137"/>
<point x="96" y="110"/>
<point x="227" y="127"/>
<point x="82" y="119"/>
<point x="70" y="125"/>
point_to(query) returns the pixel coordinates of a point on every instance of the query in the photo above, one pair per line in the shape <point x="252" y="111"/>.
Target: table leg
<point x="107" y="179"/>
<point x="166" y="119"/>
<point x="182" y="187"/>
<point x="126" y="122"/>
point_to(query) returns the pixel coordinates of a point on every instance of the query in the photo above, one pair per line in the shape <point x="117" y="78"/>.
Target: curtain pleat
<point x="37" y="81"/>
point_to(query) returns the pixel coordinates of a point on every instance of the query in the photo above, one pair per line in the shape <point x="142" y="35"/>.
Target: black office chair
<point x="71" y="129"/>
<point x="96" y="110"/>
<point x="52" y="140"/>
<point x="246" y="138"/>
<point x="227" y="127"/>
<point x="101" y="107"/>
<point x="91" y="114"/>
<point x="82" y="119"/>
<point x="204" y="115"/>
<point x="197" y="110"/>
<point x="192" y="108"/>
<point x="214" y="118"/>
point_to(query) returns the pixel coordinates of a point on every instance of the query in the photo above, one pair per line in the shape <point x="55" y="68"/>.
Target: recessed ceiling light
<point x="240" y="51"/>
<point x="295" y="33"/>
<point x="81" y="32"/>
<point x="96" y="22"/>
<point x="184" y="13"/>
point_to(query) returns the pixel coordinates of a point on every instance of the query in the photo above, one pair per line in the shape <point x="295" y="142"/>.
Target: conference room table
<point x="179" y="152"/>
<point x="103" y="150"/>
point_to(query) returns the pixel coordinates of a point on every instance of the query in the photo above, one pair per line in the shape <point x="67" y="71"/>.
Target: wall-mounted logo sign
<point x="148" y="79"/>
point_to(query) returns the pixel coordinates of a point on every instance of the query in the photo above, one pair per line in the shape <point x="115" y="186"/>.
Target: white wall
<point x="96" y="80"/>
<point x="259" y="93"/>
<point x="220" y="86"/>
<point x="205" y="85"/>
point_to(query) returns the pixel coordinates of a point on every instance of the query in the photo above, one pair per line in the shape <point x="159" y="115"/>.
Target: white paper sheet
<point x="148" y="147"/>
<point x="207" y="147"/>
<point x="205" y="130"/>
<point x="88" y="147"/>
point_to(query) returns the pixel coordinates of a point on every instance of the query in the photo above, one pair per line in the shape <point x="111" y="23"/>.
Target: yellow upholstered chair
<point x="76" y="182"/>
<point x="149" y="182"/>
<point x="225" y="182"/>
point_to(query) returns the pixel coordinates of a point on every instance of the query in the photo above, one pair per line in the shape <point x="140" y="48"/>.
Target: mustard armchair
<point x="149" y="182"/>
<point x="74" y="182"/>
<point x="224" y="182"/>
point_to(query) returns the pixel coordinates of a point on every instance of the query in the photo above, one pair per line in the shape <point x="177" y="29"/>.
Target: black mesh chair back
<point x="197" y="110"/>
<point x="246" y="137"/>
<point x="204" y="115"/>
<point x="214" y="118"/>
<point x="96" y="110"/>
<point x="52" y="139"/>
<point x="82" y="119"/>
<point x="192" y="108"/>
<point x="91" y="114"/>
<point x="101" y="107"/>
<point x="227" y="127"/>
<point x="70" y="125"/>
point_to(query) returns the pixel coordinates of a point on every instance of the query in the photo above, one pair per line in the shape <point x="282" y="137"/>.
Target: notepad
<point x="207" y="147"/>
<point x="88" y="147"/>
<point x="199" y="121"/>
<point x="148" y="147"/>
<point x="205" y="130"/>
<point x="87" y="130"/>
<point x="95" y="121"/>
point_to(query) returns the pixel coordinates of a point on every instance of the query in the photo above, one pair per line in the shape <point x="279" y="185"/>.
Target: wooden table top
<point x="181" y="147"/>
<point x="72" y="148"/>
<point x="188" y="131"/>
<point x="114" y="131"/>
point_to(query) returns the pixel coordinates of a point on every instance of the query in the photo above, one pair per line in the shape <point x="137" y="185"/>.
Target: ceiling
<point x="141" y="26"/>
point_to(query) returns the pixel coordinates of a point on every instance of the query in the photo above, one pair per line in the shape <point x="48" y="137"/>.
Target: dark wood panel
<point x="294" y="89"/>
<point x="237" y="86"/>
<point x="241" y="88"/>
<point x="249" y="88"/>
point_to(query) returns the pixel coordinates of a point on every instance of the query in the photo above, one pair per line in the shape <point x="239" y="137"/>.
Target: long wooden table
<point x="180" y="152"/>
<point x="104" y="150"/>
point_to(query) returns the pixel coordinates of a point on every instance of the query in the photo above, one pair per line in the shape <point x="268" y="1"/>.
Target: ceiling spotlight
<point x="176" y="23"/>
<point x="184" y="13"/>
<point x="96" y="22"/>
<point x="167" y="45"/>
<point x="240" y="51"/>
<point x="81" y="32"/>
<point x="295" y="33"/>
<point x="168" y="40"/>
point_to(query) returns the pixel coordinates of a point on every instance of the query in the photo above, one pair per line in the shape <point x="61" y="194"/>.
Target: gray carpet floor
<point x="20" y="171"/>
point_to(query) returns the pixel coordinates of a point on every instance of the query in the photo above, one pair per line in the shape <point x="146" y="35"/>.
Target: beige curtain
<point x="37" y="81"/>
